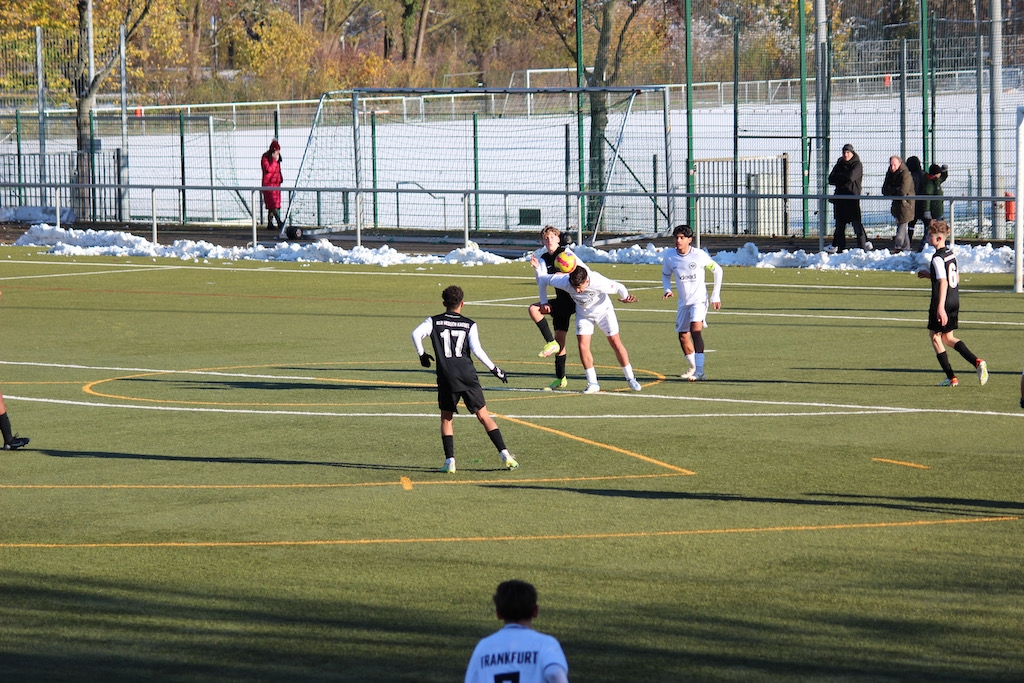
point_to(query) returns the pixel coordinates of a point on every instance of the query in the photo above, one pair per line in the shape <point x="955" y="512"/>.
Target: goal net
<point x="408" y="158"/>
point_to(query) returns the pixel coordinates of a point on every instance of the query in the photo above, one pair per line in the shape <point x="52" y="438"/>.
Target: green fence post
<point x="373" y="160"/>
<point x="181" y="139"/>
<point x="476" y="170"/>
<point x="92" y="164"/>
<point x="17" y="132"/>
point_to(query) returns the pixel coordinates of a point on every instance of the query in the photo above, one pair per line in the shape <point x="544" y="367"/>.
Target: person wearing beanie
<point x="847" y="175"/>
<point x="11" y="441"/>
<point x="271" y="165"/>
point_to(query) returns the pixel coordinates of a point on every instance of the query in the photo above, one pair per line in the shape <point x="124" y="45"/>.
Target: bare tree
<point x="612" y="22"/>
<point x="87" y="88"/>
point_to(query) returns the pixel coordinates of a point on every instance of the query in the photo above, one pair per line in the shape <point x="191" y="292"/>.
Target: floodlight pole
<point x="581" y="211"/>
<point x="1018" y="244"/>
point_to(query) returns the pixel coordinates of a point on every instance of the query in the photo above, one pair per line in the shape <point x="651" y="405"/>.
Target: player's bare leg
<point x="622" y="356"/>
<point x="587" y="358"/>
<point x="686" y="344"/>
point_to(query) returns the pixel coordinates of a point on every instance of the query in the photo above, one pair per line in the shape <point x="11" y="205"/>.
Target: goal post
<point x="408" y="155"/>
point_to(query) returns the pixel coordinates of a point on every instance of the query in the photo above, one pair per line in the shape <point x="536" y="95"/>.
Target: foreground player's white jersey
<point x="689" y="275"/>
<point x="517" y="653"/>
<point x="593" y="300"/>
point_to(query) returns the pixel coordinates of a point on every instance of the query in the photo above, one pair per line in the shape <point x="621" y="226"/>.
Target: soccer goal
<point x="489" y="159"/>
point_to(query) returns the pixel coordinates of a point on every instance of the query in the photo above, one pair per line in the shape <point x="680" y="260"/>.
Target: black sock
<point x="496" y="439"/>
<point x="545" y="329"/>
<point x="944" y="364"/>
<point x="966" y="353"/>
<point x="560" y="367"/>
<point x="449" y="446"/>
<point x="5" y="427"/>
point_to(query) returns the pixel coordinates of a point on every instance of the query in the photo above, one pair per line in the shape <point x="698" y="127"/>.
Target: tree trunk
<point x="599" y="116"/>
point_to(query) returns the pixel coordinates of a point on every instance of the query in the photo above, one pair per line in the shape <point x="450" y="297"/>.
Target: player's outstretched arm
<point x="629" y="299"/>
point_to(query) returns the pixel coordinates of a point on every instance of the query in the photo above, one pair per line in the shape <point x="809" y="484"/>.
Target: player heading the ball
<point x="589" y="290"/>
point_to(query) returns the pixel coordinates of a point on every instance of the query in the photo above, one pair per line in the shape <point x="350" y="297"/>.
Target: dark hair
<point x="578" y="276"/>
<point x="452" y="296"/>
<point x="515" y="600"/>
<point x="684" y="230"/>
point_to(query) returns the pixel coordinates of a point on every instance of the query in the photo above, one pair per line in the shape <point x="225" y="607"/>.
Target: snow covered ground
<point x="64" y="242"/>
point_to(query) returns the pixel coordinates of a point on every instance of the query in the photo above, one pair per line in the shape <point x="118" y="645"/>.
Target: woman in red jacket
<point x="271" y="164"/>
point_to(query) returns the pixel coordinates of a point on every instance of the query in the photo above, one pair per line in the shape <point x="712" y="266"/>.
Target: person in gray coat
<point x="899" y="183"/>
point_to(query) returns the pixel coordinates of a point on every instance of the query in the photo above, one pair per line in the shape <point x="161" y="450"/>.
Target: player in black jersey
<point x="561" y="309"/>
<point x="944" y="309"/>
<point x="11" y="441"/>
<point x="453" y="337"/>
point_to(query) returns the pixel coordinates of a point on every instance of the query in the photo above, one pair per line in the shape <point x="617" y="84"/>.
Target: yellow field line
<point x="900" y="462"/>
<point x="478" y="539"/>
<point x="405" y="482"/>
<point x="589" y="442"/>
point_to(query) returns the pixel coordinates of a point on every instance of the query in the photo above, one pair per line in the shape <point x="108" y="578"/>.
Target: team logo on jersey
<point x="693" y="265"/>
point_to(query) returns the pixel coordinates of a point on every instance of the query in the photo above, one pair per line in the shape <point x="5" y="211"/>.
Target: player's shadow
<point x="227" y="460"/>
<point x="964" y="507"/>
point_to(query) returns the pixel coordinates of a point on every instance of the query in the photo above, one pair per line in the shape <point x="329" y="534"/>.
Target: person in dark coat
<point x="917" y="173"/>
<point x="847" y="175"/>
<point x="899" y="183"/>
<point x="932" y="209"/>
<point x="271" y="165"/>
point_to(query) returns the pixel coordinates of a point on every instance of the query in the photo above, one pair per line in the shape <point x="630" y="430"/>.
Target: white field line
<point x="303" y="267"/>
<point x="500" y="303"/>
<point x="825" y="408"/>
<point x="95" y="272"/>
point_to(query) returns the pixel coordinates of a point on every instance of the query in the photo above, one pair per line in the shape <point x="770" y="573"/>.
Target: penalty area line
<point x="491" y="539"/>
<point x="589" y="442"/>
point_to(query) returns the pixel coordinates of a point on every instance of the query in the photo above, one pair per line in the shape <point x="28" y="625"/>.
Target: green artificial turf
<point x="232" y="476"/>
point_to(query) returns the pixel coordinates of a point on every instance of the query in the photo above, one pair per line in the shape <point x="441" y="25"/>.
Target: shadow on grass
<point x="125" y="630"/>
<point x="245" y="460"/>
<point x="965" y="507"/>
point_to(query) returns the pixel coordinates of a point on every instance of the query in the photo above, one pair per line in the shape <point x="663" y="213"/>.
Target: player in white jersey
<point x="517" y="652"/>
<point x="687" y="266"/>
<point x="594" y="308"/>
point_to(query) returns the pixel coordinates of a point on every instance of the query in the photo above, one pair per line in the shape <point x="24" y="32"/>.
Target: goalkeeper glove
<point x="500" y="374"/>
<point x="425" y="359"/>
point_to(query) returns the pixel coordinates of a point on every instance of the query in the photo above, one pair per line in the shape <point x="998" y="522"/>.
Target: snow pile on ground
<point x="63" y="242"/>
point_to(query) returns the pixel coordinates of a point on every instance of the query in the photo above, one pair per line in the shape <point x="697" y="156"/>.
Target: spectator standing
<point x="847" y="175"/>
<point x="931" y="186"/>
<point x="917" y="173"/>
<point x="270" y="162"/>
<point x="900" y="183"/>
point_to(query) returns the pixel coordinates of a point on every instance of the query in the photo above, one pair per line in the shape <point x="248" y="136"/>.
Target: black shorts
<point x="562" y="308"/>
<point x="951" y="324"/>
<point x="448" y="400"/>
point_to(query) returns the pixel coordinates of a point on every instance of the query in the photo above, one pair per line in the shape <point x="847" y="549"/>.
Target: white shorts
<point x="693" y="313"/>
<point x="605" y="320"/>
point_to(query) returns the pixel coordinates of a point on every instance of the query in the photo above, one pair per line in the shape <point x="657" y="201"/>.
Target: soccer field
<point x="233" y="476"/>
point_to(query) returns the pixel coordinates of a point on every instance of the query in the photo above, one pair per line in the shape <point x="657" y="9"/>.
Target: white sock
<point x="699" y="357"/>
<point x="627" y="370"/>
<point x="591" y="376"/>
<point x="691" y="360"/>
